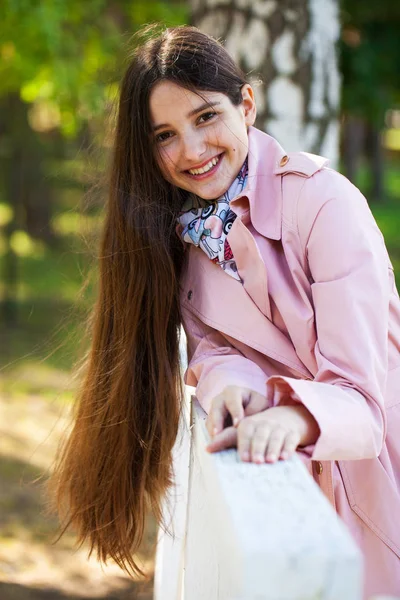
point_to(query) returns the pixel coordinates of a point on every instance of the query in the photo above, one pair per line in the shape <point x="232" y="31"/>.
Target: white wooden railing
<point x="240" y="531"/>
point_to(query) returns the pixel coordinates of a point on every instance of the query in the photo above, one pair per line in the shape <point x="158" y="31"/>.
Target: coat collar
<point x="268" y="161"/>
<point x="263" y="197"/>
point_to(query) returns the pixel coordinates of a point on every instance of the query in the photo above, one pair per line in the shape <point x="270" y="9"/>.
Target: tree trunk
<point x="291" y="45"/>
<point x="353" y="145"/>
<point x="13" y="178"/>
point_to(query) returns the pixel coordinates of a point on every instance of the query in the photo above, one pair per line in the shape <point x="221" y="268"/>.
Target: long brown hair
<point x="116" y="464"/>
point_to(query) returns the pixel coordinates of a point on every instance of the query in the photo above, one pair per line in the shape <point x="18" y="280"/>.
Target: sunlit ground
<point x="35" y="401"/>
<point x="31" y="425"/>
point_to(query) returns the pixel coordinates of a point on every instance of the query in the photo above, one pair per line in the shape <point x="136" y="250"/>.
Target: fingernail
<point x="258" y="458"/>
<point x="271" y="457"/>
<point x="215" y="430"/>
<point x="284" y="455"/>
<point x="236" y="421"/>
<point x="245" y="456"/>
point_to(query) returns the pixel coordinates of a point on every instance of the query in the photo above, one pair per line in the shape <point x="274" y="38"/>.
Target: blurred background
<point x="327" y="81"/>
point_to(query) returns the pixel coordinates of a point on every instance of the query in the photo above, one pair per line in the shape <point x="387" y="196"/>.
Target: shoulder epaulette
<point x="301" y="163"/>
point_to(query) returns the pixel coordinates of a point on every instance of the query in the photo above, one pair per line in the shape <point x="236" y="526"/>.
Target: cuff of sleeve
<point x="337" y="412"/>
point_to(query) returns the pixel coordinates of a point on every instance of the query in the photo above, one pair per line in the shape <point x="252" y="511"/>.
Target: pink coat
<point x="318" y="315"/>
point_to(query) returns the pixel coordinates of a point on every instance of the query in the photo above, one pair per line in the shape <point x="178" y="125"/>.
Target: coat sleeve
<point x="213" y="363"/>
<point x="349" y="270"/>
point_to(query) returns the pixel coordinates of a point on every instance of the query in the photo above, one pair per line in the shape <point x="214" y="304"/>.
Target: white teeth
<point x="206" y="167"/>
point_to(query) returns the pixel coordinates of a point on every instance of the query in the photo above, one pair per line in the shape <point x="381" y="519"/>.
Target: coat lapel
<point x="224" y="304"/>
<point x="250" y="265"/>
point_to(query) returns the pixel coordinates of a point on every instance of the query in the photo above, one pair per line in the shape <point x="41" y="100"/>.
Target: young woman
<point x="280" y="276"/>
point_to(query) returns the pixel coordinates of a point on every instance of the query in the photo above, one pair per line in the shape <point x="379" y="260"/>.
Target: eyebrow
<point x="192" y="113"/>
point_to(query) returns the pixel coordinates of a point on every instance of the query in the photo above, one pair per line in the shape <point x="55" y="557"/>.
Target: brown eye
<point x="206" y="116"/>
<point x="162" y="137"/>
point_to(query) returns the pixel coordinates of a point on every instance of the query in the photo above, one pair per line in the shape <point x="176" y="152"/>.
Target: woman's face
<point x="200" y="141"/>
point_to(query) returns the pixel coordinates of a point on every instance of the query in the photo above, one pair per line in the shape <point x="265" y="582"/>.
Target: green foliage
<point x="64" y="56"/>
<point x="370" y="55"/>
<point x="361" y="12"/>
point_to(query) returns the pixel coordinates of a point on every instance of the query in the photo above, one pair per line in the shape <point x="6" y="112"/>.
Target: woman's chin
<point x="211" y="190"/>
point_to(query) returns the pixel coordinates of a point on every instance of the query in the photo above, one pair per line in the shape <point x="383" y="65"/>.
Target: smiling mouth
<point x="205" y="168"/>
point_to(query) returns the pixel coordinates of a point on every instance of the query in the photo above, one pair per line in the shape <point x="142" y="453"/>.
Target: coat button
<point x="320" y="468"/>
<point x="189" y="295"/>
<point x="284" y="160"/>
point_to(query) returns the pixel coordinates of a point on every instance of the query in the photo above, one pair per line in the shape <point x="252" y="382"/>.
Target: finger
<point x="257" y="403"/>
<point x="292" y="440"/>
<point x="275" y="444"/>
<point x="245" y="433"/>
<point x="259" y="442"/>
<point x="225" y="439"/>
<point x="217" y="415"/>
<point x="235" y="399"/>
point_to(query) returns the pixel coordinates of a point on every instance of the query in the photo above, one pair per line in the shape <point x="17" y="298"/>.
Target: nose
<point x="193" y="148"/>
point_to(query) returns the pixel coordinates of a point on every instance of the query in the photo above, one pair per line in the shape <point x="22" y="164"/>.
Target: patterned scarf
<point x="206" y="224"/>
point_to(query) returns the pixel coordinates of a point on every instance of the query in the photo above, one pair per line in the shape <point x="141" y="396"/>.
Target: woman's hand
<point x="232" y="404"/>
<point x="269" y="435"/>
